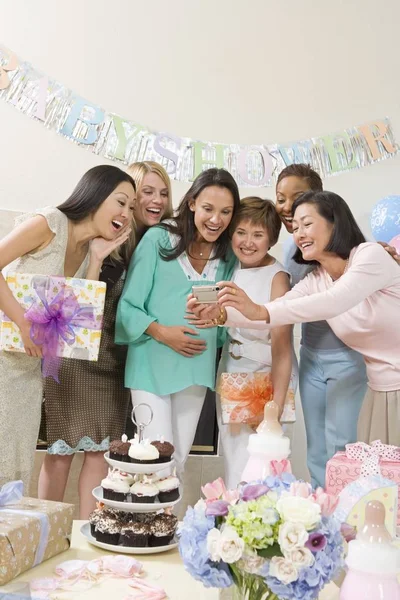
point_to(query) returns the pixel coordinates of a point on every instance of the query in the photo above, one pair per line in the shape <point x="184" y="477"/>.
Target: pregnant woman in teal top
<point x="169" y="365"/>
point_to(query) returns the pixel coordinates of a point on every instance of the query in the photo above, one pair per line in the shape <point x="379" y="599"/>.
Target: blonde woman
<point x="154" y="198"/>
<point x="90" y="406"/>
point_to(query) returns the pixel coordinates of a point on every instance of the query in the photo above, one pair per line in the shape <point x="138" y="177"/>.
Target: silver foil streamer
<point x="126" y="141"/>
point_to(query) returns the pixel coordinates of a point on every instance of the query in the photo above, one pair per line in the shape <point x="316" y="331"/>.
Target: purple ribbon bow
<point x="53" y="318"/>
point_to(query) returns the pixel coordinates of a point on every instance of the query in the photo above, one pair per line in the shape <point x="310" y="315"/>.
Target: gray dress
<point x="21" y="387"/>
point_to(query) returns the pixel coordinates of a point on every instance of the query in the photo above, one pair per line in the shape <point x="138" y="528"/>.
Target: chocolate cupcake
<point x="168" y="489"/>
<point x="115" y="488"/>
<point x="101" y="512"/>
<point x="144" y="491"/>
<point x="143" y="453"/>
<point x="162" y="530"/>
<point x="135" y="535"/>
<point x="108" y="530"/>
<point x="94" y="517"/>
<point x="119" y="449"/>
<point x="165" y="450"/>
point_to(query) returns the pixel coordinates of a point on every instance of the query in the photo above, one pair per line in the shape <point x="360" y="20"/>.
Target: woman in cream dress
<point x="71" y="240"/>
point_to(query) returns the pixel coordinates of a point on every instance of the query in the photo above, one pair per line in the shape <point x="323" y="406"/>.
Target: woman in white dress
<point x="256" y="366"/>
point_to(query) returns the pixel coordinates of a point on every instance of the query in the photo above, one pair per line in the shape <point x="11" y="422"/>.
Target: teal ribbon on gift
<point x="10" y="494"/>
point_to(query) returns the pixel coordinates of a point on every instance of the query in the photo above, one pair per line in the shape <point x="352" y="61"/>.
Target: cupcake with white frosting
<point x="144" y="491"/>
<point x="168" y="488"/>
<point x="143" y="452"/>
<point x="115" y="488"/>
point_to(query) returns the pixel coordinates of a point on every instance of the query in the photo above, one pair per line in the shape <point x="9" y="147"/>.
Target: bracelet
<point x="221" y="319"/>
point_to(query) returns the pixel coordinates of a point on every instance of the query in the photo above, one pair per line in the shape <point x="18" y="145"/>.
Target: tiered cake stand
<point x="133" y="507"/>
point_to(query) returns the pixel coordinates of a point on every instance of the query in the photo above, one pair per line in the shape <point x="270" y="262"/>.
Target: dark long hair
<point x="91" y="191"/>
<point x="346" y="234"/>
<point x="183" y="223"/>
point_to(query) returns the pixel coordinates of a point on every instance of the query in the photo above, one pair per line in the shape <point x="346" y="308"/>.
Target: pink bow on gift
<point x="369" y="456"/>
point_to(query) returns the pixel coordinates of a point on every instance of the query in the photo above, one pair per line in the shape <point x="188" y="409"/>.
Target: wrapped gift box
<point x="32" y="531"/>
<point x="31" y="290"/>
<point x="244" y="395"/>
<point x="361" y="460"/>
<point x="355" y="496"/>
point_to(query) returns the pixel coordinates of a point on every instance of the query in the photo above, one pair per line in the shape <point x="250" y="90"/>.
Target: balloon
<point x="385" y="219"/>
<point x="396" y="243"/>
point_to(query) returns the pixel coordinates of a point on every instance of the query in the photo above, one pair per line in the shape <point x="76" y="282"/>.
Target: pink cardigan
<point x="362" y="308"/>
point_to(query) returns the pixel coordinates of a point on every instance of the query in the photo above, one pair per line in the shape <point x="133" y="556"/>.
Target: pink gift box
<point x="342" y="470"/>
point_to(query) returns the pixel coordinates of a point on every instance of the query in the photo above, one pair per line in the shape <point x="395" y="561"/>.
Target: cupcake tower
<point x="132" y="530"/>
<point x="138" y="501"/>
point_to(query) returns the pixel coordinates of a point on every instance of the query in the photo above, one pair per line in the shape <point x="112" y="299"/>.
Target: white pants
<point x="175" y="417"/>
<point x="233" y="440"/>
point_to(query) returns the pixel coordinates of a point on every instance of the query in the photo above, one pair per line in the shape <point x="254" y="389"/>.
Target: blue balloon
<point x="385" y="219"/>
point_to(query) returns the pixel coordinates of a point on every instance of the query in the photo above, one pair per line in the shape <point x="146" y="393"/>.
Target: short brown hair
<point x="259" y="212"/>
<point x="304" y="172"/>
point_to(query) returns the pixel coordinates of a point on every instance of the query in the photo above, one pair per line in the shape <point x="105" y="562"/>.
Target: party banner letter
<point x="165" y="152"/>
<point x="295" y="154"/>
<point x="267" y="165"/>
<point x="11" y="65"/>
<point x="199" y="160"/>
<point x="334" y="145"/>
<point x="375" y="132"/>
<point x="40" y="111"/>
<point x="75" y="115"/>
<point x="121" y="135"/>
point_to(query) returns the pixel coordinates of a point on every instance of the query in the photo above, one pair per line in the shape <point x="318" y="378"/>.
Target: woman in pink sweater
<point x="356" y="289"/>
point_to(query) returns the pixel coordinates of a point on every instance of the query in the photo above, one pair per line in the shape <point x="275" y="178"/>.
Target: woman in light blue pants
<point x="332" y="377"/>
<point x="332" y="387"/>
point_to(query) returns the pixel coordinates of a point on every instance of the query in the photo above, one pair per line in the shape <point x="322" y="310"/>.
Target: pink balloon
<point x="396" y="243"/>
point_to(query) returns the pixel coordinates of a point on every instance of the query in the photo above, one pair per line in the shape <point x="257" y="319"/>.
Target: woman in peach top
<point x="356" y="289"/>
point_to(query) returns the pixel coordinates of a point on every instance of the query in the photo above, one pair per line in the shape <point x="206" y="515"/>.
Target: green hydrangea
<point x="257" y="521"/>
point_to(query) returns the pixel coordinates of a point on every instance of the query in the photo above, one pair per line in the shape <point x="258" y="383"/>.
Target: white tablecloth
<point x="165" y="570"/>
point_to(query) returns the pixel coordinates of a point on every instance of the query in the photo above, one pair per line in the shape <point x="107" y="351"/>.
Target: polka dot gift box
<point x="375" y="472"/>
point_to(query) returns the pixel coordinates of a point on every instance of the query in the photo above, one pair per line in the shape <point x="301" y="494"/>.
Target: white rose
<point x="283" y="570"/>
<point x="300" y="557"/>
<point x="230" y="545"/>
<point x="251" y="562"/>
<point x="292" y="535"/>
<point x="212" y="544"/>
<point x="299" y="510"/>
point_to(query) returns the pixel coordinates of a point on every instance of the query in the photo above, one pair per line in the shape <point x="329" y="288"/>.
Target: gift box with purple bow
<point x="366" y="472"/>
<point x="65" y="313"/>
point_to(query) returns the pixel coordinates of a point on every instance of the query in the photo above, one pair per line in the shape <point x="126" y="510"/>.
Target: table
<point x="165" y="570"/>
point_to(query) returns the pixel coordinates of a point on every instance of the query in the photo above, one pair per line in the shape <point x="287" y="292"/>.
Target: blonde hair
<point x="137" y="171"/>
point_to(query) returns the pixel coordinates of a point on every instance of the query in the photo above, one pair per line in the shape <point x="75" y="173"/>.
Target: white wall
<point x="259" y="71"/>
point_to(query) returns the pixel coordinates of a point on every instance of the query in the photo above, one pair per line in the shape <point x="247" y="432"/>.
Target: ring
<point x="234" y="291"/>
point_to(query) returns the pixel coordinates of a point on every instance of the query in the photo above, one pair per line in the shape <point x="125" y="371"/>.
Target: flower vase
<point x="251" y="587"/>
